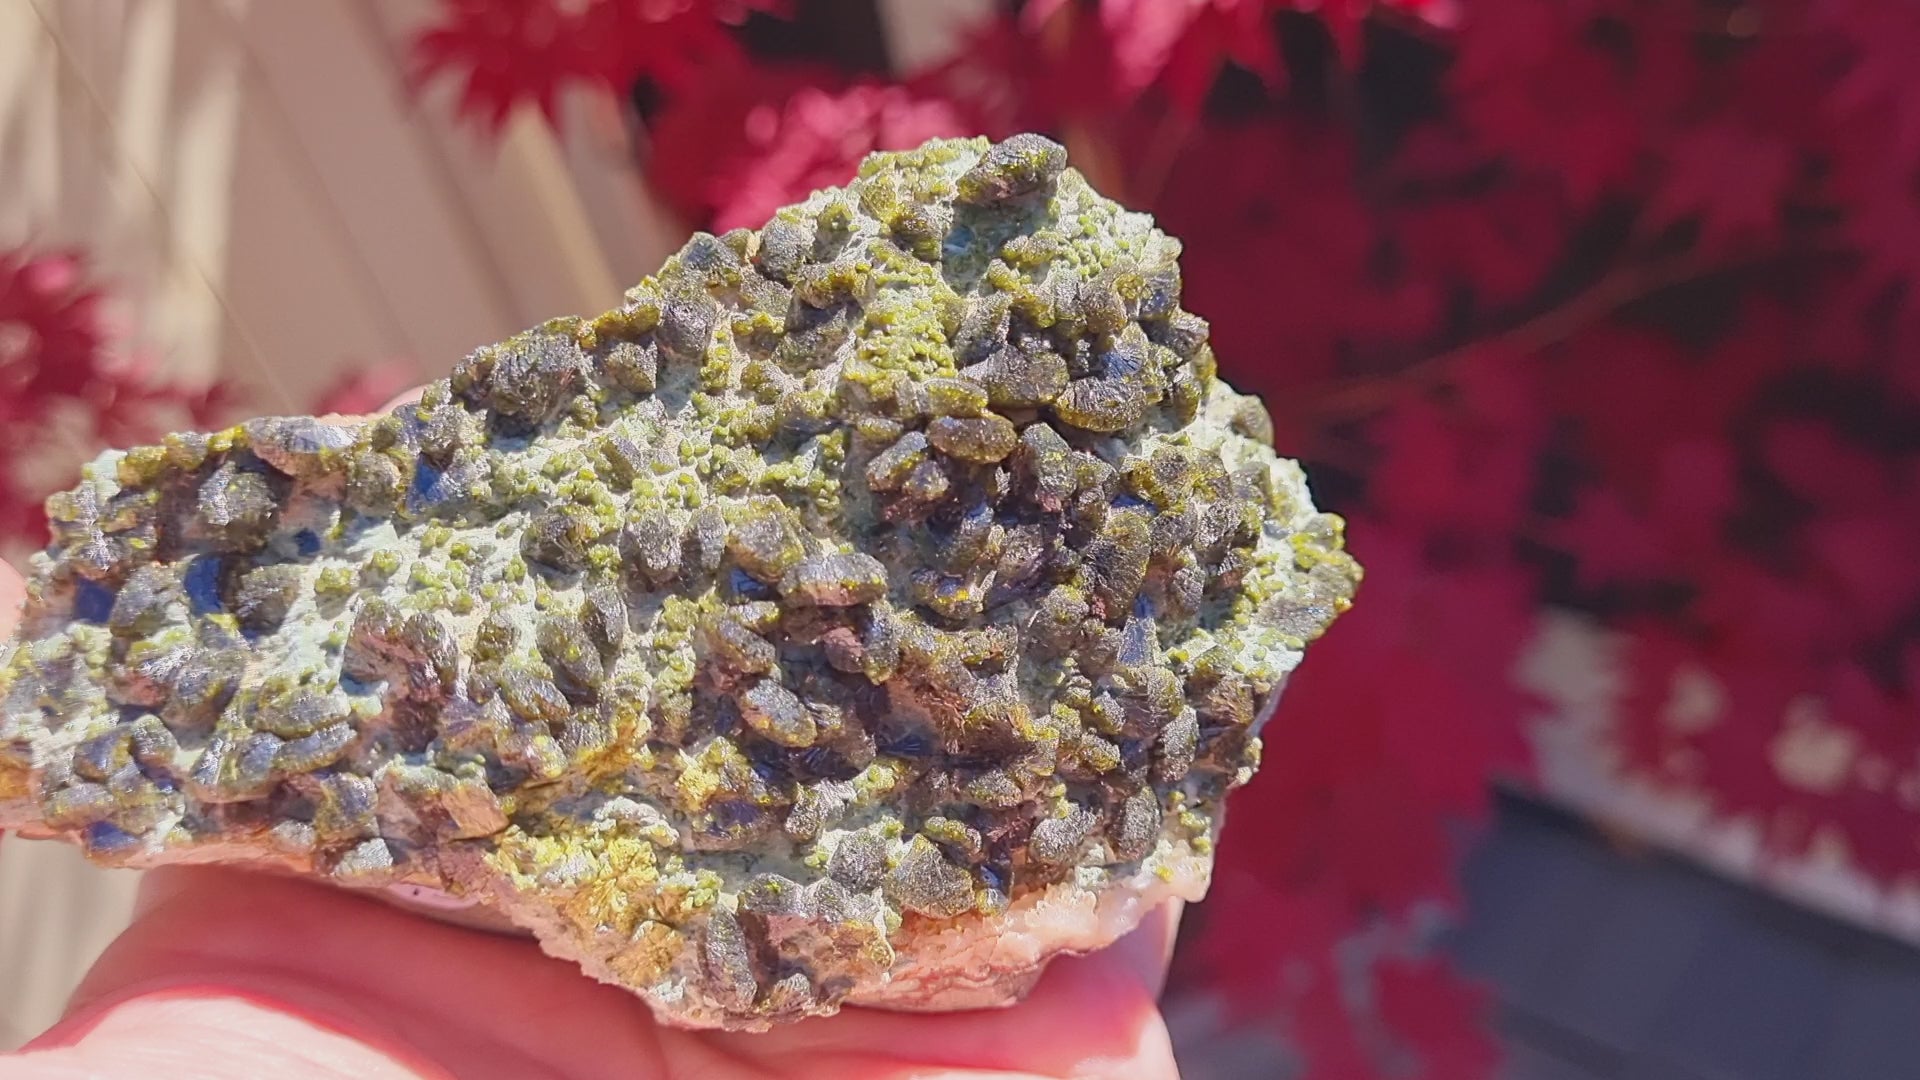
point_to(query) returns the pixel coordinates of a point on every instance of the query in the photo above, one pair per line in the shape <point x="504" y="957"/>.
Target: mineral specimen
<point x="871" y="607"/>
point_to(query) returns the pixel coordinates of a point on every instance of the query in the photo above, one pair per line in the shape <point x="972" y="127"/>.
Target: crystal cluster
<point x="873" y="606"/>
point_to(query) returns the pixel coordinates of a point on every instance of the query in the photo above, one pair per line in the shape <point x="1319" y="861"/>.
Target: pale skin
<point x="230" y="974"/>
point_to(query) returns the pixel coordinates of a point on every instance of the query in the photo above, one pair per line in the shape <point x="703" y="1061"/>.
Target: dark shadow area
<point x="1642" y="966"/>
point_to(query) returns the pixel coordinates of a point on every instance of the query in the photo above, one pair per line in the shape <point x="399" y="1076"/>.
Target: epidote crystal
<point x="871" y="607"/>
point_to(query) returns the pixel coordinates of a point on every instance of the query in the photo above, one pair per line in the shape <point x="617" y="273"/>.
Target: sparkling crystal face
<point x="889" y="578"/>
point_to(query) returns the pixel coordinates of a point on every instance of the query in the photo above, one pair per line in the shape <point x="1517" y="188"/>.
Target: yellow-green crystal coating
<point x="865" y="581"/>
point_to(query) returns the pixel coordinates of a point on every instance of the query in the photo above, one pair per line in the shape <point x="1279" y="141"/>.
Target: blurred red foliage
<point x="1608" y="304"/>
<point x="65" y="385"/>
<point x="509" y="52"/>
<point x="365" y="389"/>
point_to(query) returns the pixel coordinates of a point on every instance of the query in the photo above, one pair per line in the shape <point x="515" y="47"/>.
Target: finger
<point x="1091" y="1015"/>
<point x="403" y="399"/>
<point x="13" y="593"/>
<point x="1147" y="950"/>
<point x="427" y="999"/>
<point x="399" y="400"/>
<point x="209" y="1036"/>
<point x="215" y="945"/>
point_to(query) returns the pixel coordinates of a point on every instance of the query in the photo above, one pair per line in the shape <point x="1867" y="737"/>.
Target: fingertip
<point x="439" y="999"/>
<point x="227" y="1031"/>
<point x="404" y="398"/>
<point x="13" y="595"/>
<point x="1095" y="1015"/>
<point x="160" y="885"/>
<point x="1144" y="952"/>
<point x="13" y="598"/>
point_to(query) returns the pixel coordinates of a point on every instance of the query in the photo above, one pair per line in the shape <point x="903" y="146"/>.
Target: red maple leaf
<point x="1364" y="779"/>
<point x="772" y="134"/>
<point x="1532" y="84"/>
<point x="1610" y="543"/>
<point x="1814" y="462"/>
<point x="1866" y="563"/>
<point x="1696" y="487"/>
<point x="816" y="138"/>
<point x="1180" y="46"/>
<point x="366" y="388"/>
<point x="55" y="331"/>
<point x="1467" y="463"/>
<point x="1657" y="532"/>
<point x="1627" y="393"/>
<point x="1884" y="222"/>
<point x="1730" y="178"/>
<point x="676" y="44"/>
<point x="1437" y="1016"/>
<point x="57" y="363"/>
<point x="1250" y="931"/>
<point x="1281" y="254"/>
<point x="697" y="137"/>
<point x="508" y="53"/>
<point x="1013" y="79"/>
<point x="1879" y="38"/>
<point x="1492" y="240"/>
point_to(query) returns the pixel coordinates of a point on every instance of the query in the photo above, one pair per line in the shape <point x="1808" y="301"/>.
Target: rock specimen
<point x="871" y="607"/>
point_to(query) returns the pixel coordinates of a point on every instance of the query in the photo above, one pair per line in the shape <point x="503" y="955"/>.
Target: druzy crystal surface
<point x="873" y="606"/>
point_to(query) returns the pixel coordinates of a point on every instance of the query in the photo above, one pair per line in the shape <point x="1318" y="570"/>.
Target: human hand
<point x="226" y="973"/>
<point x="232" y="974"/>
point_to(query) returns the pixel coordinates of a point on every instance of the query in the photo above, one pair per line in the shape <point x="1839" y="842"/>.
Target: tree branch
<point x="1355" y="397"/>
